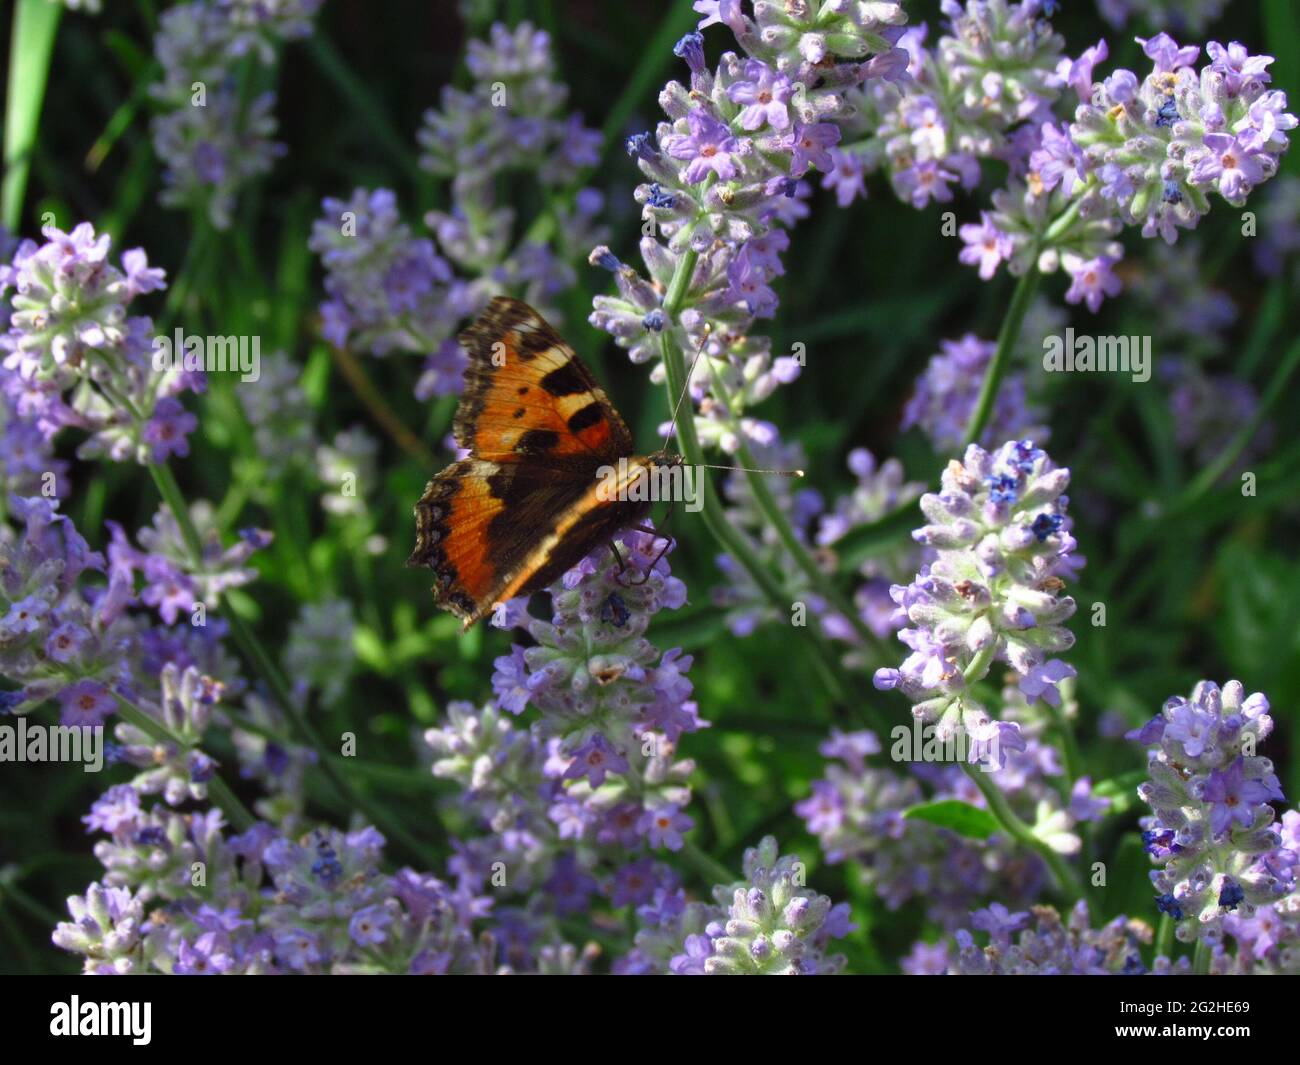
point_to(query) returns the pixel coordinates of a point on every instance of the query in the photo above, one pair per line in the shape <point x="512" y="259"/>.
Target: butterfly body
<point x="543" y="484"/>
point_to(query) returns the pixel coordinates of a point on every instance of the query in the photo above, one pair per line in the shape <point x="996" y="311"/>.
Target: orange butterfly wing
<point x="528" y="393"/>
<point x="522" y="508"/>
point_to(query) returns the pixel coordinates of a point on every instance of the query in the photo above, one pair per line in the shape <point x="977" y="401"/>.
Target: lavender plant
<point x="215" y="132"/>
<point x="390" y="290"/>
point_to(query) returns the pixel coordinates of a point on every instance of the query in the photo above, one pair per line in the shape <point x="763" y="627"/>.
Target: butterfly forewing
<point x="527" y="394"/>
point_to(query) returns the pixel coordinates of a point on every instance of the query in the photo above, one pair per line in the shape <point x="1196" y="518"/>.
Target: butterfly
<point x="533" y="498"/>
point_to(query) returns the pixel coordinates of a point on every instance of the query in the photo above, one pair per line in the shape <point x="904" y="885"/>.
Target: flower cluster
<point x="72" y="357"/>
<point x="175" y="585"/>
<point x="968" y="98"/>
<point x="211" y="137"/>
<point x="1212" y="830"/>
<point x="547" y="845"/>
<point x="390" y="290"/>
<point x="1039" y="943"/>
<point x="266" y="904"/>
<point x="767" y="924"/>
<point x="946" y="394"/>
<point x="1158" y="146"/>
<point x="1177" y="16"/>
<point x="1142" y="152"/>
<point x="175" y="769"/>
<point x="858" y="812"/>
<point x="27" y="460"/>
<point x="616" y="704"/>
<point x="724" y="173"/>
<point x="1001" y="539"/>
<point x="58" y="636"/>
<point x="512" y="120"/>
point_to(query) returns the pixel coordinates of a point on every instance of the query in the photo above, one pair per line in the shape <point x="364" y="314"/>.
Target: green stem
<point x="358" y="94"/>
<point x="1201" y="958"/>
<point x="36" y="909"/>
<point x="776" y="517"/>
<point x="715" y="519"/>
<point x="1165" y="936"/>
<point x="1210" y="475"/>
<point x="257" y="655"/>
<point x="1069" y="744"/>
<point x="1065" y="878"/>
<point x="1008" y="336"/>
<point x="235" y="810"/>
<point x="708" y="867"/>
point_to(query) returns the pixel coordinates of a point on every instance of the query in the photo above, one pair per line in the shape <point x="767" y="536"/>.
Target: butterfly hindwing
<point x="470" y="530"/>
<point x="491" y="531"/>
<point x="527" y="394"/>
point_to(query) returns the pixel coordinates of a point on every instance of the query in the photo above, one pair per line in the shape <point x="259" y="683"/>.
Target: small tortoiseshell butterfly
<point x="524" y="507"/>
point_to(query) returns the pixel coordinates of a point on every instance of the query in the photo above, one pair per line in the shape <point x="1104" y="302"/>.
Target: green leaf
<point x="32" y="47"/>
<point x="370" y="648"/>
<point x="961" y="817"/>
<point x="361" y="98"/>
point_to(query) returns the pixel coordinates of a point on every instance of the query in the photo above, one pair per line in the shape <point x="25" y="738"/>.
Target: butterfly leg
<point x="669" y="542"/>
<point x="622" y="566"/>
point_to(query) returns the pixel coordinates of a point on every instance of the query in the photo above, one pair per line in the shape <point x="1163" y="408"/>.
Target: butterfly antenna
<point x="750" y="469"/>
<point x="686" y="387"/>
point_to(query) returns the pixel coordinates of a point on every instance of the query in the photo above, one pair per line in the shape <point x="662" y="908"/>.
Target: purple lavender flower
<point x="769" y="923"/>
<point x="69" y="334"/>
<point x="1002" y="541"/>
<point x="765" y="95"/>
<point x="946" y="394"/>
<point x="722" y="174"/>
<point x="1046" y="945"/>
<point x="708" y="147"/>
<point x="1212" y="827"/>
<point x="211" y="141"/>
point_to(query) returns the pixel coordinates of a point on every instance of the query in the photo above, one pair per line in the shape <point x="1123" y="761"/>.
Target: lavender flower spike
<point x="1002" y="541"/>
<point x="1212" y="830"/>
